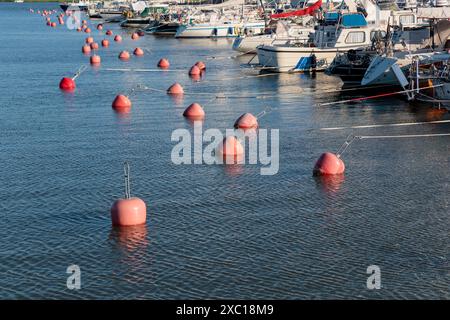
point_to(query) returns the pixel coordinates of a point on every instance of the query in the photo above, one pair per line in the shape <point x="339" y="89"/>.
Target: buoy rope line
<point x="376" y="96"/>
<point x="358" y="88"/>
<point x="351" y="138"/>
<point x="385" y="125"/>
<point x="79" y="71"/>
<point x="126" y="171"/>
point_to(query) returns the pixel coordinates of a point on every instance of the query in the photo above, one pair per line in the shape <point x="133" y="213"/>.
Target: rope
<point x="79" y="71"/>
<point x="126" y="171"/>
<point x="385" y="125"/>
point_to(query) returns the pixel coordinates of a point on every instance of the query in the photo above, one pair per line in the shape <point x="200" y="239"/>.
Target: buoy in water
<point x="95" y="59"/>
<point x="49" y="23"/>
<point x="86" y="49"/>
<point x="201" y="65"/>
<point x="105" y="43"/>
<point x="100" y="27"/>
<point x="194" y="71"/>
<point x="117" y="38"/>
<point x="87" y="30"/>
<point x="53" y="24"/>
<point x="79" y="29"/>
<point x="141" y="33"/>
<point x="134" y="36"/>
<point x="246" y="121"/>
<point x="176" y="88"/>
<point x="138" y="52"/>
<point x="163" y="63"/>
<point x="108" y="32"/>
<point x="89" y="40"/>
<point x="194" y="111"/>
<point x="129" y="211"/>
<point x="124" y="55"/>
<point x="121" y="103"/>
<point x="67" y="84"/>
<point x="328" y="164"/>
<point x="230" y="147"/>
<point x="94" y="46"/>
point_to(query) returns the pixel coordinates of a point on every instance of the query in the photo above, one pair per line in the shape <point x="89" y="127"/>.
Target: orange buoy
<point x="201" y="65"/>
<point x="121" y="103"/>
<point x="86" y="49"/>
<point x="117" y="38"/>
<point x="79" y="29"/>
<point x="138" y="52"/>
<point x="194" y="111"/>
<point x="67" y="84"/>
<point x="124" y="55"/>
<point x="194" y="71"/>
<point x="105" y="43"/>
<point x="163" y="63"/>
<point x="109" y="32"/>
<point x="95" y="59"/>
<point x="128" y="211"/>
<point x="176" y="88"/>
<point x="328" y="163"/>
<point x="94" y="46"/>
<point x="89" y="40"/>
<point x="48" y="19"/>
<point x="246" y="121"/>
<point x="53" y="24"/>
<point x="230" y="147"/>
<point x="100" y="27"/>
<point x="49" y="23"/>
<point x="87" y="30"/>
<point x="134" y="36"/>
<point x="84" y="22"/>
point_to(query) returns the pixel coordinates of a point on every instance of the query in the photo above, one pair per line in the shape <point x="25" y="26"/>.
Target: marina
<point x="351" y="97"/>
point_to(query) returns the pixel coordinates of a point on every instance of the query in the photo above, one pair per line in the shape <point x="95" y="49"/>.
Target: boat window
<point x="356" y="37"/>
<point x="407" y="19"/>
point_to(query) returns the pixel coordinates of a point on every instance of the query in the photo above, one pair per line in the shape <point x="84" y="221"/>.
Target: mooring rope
<point x="385" y="125"/>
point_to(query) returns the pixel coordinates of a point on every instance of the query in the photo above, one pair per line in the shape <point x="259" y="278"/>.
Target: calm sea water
<point x="213" y="231"/>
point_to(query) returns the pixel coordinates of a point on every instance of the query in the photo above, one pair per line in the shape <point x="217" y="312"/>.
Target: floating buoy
<point x="100" y="27"/>
<point x="230" y="147"/>
<point x="53" y="24"/>
<point x="163" y="63"/>
<point x="194" y="111"/>
<point x="138" y="52"/>
<point x="86" y="49"/>
<point x="246" y="121"/>
<point x="61" y="21"/>
<point x="134" y="36"/>
<point x="94" y="46"/>
<point x="49" y="23"/>
<point x="67" y="84"/>
<point x="117" y="38"/>
<point x="95" y="59"/>
<point x="105" y="43"/>
<point x="124" y="55"/>
<point x="201" y="65"/>
<point x="141" y="33"/>
<point x="87" y="30"/>
<point x="84" y="22"/>
<point x="89" y="40"/>
<point x="109" y="32"/>
<point x="176" y="88"/>
<point x="48" y="19"/>
<point x="121" y="103"/>
<point x="194" y="71"/>
<point x="328" y="163"/>
<point x="79" y="29"/>
<point x="128" y="211"/>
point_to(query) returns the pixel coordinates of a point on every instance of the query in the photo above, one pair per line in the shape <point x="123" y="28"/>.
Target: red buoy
<point x="89" y="40"/>
<point x="329" y="164"/>
<point x="194" y="71"/>
<point x="246" y="121"/>
<point x="230" y="147"/>
<point x="109" y="32"/>
<point x="95" y="59"/>
<point x="194" y="111"/>
<point x="117" y="38"/>
<point x="176" y="88"/>
<point x="87" y="30"/>
<point x="134" y="36"/>
<point x="121" y="103"/>
<point x="128" y="212"/>
<point x="79" y="29"/>
<point x="100" y="27"/>
<point x="67" y="84"/>
<point x="163" y="63"/>
<point x="138" y="52"/>
<point x="124" y="55"/>
<point x="105" y="43"/>
<point x="86" y="49"/>
<point x="94" y="46"/>
<point x="49" y="23"/>
<point x="53" y="24"/>
<point x="201" y="65"/>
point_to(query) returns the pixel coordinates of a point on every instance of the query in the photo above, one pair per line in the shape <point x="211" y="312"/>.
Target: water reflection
<point x="130" y="238"/>
<point x="329" y="184"/>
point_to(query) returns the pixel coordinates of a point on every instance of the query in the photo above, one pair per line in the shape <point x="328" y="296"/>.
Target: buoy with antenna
<point x="129" y="211"/>
<point x="68" y="84"/>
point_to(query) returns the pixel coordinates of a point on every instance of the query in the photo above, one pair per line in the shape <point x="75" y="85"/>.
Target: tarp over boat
<point x="301" y="12"/>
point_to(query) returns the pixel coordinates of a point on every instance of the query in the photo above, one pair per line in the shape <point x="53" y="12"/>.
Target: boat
<point x="163" y="28"/>
<point x="75" y="6"/>
<point x="226" y="29"/>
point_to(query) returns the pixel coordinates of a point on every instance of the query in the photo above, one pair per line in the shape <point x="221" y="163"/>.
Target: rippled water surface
<point x="213" y="231"/>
